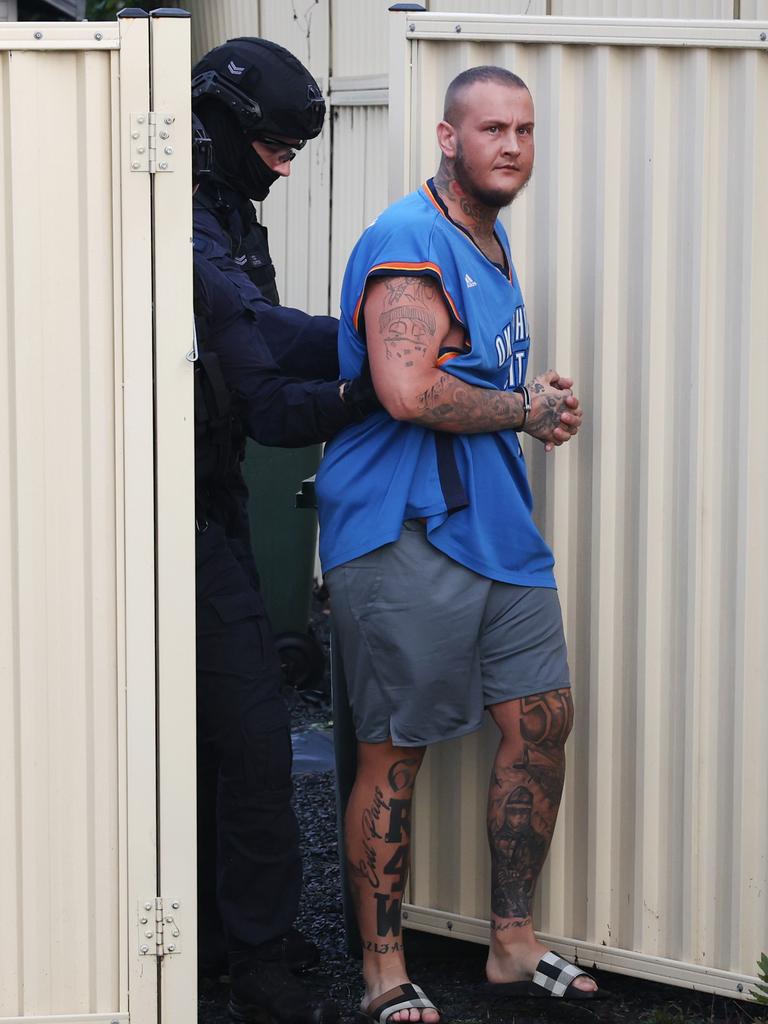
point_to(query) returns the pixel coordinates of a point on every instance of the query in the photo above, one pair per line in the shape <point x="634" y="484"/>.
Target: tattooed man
<point x="442" y="587"/>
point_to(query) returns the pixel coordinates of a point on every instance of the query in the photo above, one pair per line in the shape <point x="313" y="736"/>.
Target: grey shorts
<point x="427" y="644"/>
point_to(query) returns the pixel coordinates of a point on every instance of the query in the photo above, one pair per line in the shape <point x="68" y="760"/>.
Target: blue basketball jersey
<point x="472" y="489"/>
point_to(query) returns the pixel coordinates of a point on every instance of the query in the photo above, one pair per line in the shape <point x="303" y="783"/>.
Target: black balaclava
<point x="235" y="163"/>
<point x="249" y="86"/>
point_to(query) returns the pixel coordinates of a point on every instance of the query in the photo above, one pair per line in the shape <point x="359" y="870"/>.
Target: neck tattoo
<point x="478" y="220"/>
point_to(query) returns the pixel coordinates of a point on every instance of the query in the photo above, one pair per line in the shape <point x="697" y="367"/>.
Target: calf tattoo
<point x="526" y="787"/>
<point x="399" y="820"/>
<point x="366" y="869"/>
<point x="399" y="831"/>
<point x="402" y="774"/>
<point x="517" y="852"/>
<point x="387" y="914"/>
<point x="383" y="947"/>
<point x="381" y="872"/>
<point x="398" y="865"/>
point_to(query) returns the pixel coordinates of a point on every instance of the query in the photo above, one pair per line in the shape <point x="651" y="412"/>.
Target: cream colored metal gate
<point x="97" y="596"/>
<point x="642" y="245"/>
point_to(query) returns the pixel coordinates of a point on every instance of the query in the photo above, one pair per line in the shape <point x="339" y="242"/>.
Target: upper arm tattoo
<point x="407" y="324"/>
<point x="409" y="319"/>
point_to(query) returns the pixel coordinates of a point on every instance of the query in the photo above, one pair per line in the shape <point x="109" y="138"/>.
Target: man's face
<point x="494" y="142"/>
<point x="277" y="153"/>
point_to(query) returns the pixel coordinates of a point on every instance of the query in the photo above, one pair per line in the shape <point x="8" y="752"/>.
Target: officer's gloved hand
<point x="359" y="394"/>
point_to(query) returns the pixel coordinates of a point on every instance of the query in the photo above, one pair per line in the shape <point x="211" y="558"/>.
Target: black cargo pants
<point x="249" y="865"/>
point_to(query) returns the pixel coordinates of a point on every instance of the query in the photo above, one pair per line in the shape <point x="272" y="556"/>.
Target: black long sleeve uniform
<point x="259" y="374"/>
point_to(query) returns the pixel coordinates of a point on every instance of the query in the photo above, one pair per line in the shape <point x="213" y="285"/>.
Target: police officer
<point x="260" y="106"/>
<point x="247" y="831"/>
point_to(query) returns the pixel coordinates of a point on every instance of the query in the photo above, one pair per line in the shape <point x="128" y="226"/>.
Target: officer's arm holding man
<point x="301" y="345"/>
<point x="274" y="408"/>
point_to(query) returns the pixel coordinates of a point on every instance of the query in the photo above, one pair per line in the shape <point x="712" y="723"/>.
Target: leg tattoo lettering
<point x="366" y="868"/>
<point x="387" y="915"/>
<point x="399" y="820"/>
<point x="382" y="947"/>
<point x="398" y="865"/>
<point x="378" y="840"/>
<point x="402" y="774"/>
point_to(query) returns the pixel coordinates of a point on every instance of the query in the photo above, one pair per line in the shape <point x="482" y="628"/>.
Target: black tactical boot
<point x="298" y="952"/>
<point x="264" y="990"/>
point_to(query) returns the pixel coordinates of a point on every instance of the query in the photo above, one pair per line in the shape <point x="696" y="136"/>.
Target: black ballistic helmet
<point x="264" y="86"/>
<point x="202" y="151"/>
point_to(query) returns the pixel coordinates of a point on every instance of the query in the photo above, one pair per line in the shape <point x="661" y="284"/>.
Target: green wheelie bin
<point x="284" y="540"/>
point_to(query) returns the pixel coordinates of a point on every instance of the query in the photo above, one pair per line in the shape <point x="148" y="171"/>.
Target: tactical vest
<point x="249" y="241"/>
<point x="219" y="437"/>
<point x="254" y="250"/>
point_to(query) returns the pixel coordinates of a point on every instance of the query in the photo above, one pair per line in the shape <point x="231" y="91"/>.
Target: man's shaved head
<point x="454" y="96"/>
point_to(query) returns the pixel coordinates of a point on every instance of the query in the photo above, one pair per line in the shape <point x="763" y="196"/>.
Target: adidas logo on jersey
<point x="469" y="282"/>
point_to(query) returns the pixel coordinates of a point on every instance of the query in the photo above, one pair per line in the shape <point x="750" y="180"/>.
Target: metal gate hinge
<point x="152" y="148"/>
<point x="159" y="931"/>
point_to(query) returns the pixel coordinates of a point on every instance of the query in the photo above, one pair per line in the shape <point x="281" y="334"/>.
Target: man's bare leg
<point x="377" y="830"/>
<point x="523" y="801"/>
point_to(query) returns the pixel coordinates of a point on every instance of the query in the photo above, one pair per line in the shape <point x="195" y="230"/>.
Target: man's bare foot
<point x="518" y="962"/>
<point x="386" y="991"/>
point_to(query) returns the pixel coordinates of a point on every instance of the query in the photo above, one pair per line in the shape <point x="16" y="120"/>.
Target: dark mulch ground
<point x="450" y="971"/>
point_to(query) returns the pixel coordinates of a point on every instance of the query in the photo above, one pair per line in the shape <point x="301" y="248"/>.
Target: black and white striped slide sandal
<point x="404" y="997"/>
<point x="553" y="979"/>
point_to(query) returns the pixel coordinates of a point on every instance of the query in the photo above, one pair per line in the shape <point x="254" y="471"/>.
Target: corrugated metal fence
<point x="97" y="592"/>
<point x="58" y="609"/>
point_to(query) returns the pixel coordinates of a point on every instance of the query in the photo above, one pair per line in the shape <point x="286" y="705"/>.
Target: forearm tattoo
<point x="450" y="404"/>
<point x="408" y="330"/>
<point x="526" y="787"/>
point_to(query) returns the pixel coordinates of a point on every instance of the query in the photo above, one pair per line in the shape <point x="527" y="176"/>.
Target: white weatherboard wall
<point x="642" y="246"/>
<point x="94" y="642"/>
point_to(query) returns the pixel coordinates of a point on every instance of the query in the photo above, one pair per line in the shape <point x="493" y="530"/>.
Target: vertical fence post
<point x="174" y="460"/>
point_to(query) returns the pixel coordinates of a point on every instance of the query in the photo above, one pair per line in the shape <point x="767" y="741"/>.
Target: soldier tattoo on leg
<point x="519" y="852"/>
<point x="524" y="798"/>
